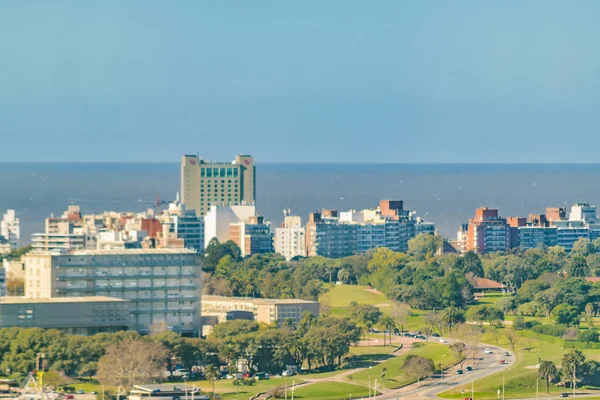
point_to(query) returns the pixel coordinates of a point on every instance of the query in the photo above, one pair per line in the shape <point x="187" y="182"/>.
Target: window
<point x="202" y="173"/>
<point x="208" y="172"/>
<point x="229" y="172"/>
<point x="215" y="172"/>
<point x="235" y="172"/>
<point x="222" y="174"/>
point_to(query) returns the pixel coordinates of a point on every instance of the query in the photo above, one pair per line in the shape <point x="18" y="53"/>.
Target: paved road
<point x="430" y="388"/>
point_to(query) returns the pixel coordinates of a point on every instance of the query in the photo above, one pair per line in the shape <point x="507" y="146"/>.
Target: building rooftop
<point x="255" y="300"/>
<point x="51" y="300"/>
<point x="484" y="283"/>
<point x="125" y="252"/>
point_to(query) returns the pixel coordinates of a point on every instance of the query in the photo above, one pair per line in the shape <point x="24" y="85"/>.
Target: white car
<point x="443" y="341"/>
<point x="488" y="351"/>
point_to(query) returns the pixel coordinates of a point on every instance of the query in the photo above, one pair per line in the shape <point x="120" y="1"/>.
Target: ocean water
<point x="446" y="194"/>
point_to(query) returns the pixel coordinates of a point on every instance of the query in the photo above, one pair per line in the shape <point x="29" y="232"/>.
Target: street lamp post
<point x="442" y="367"/>
<point x="185" y="387"/>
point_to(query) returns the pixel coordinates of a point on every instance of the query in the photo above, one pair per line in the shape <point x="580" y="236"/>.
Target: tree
<point x="571" y="365"/>
<point x="471" y="263"/>
<point x="548" y="371"/>
<point x="173" y="344"/>
<point x="460" y="350"/>
<point x="343" y="275"/>
<point x="565" y="314"/>
<point x="418" y="367"/>
<point x="583" y="247"/>
<point x="15" y="287"/>
<point x="400" y="313"/>
<point x="131" y="361"/>
<point x="578" y="267"/>
<point x="424" y="245"/>
<point x="365" y="316"/>
<point x="387" y="325"/>
<point x="513" y="338"/>
<point x="452" y="316"/>
<point x="215" y="251"/>
<point x="588" y="336"/>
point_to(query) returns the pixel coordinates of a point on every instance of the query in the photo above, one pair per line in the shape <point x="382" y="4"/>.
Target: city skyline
<point x="300" y="82"/>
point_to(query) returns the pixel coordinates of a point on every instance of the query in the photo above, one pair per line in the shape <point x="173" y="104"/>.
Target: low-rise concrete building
<point x="265" y="311"/>
<point x="163" y="285"/>
<point x="75" y="315"/>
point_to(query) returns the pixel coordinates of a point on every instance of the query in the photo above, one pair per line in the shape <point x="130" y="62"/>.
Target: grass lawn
<point x="395" y="373"/>
<point x="331" y="390"/>
<point x="372" y="350"/>
<point x="87" y="387"/>
<point x="519" y="380"/>
<point x="342" y="295"/>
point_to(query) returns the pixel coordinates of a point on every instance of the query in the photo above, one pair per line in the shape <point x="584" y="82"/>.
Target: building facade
<point x="218" y="220"/>
<point x="290" y="239"/>
<point x="3" y="279"/>
<point x="10" y="228"/>
<point x="531" y="237"/>
<point x="204" y="184"/>
<point x="266" y="311"/>
<point x="252" y="236"/>
<point x="487" y="232"/>
<point x="73" y="315"/>
<point x="163" y="285"/>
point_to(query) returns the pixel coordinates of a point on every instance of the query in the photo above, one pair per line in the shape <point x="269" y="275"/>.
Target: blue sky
<point x="300" y="81"/>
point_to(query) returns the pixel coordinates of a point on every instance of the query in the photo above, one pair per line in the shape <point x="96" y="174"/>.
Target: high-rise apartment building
<point x="290" y="239"/>
<point x="252" y="236"/>
<point x="10" y="228"/>
<point x="487" y="232"/>
<point x="204" y="184"/>
<point x="162" y="285"/>
<point x="583" y="212"/>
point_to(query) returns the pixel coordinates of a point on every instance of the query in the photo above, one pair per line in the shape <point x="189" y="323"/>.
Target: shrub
<point x="588" y="336"/>
<point x="552" y="330"/>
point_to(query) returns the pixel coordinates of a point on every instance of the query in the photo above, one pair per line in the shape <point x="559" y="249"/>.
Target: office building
<point x="10" y="229"/>
<point x="290" y="239"/>
<point x="265" y="311"/>
<point x="218" y="220"/>
<point x="487" y="232"/>
<point x="73" y="315"/>
<point x="163" y="285"/>
<point x="252" y="236"/>
<point x="205" y="184"/>
<point x="186" y="225"/>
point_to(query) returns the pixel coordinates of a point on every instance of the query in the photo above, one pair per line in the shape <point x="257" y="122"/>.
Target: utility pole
<point x="574" y="377"/>
<point x="502" y="384"/>
<point x="472" y="390"/>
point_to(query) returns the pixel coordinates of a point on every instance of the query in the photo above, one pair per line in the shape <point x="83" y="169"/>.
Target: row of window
<point x="213" y="172"/>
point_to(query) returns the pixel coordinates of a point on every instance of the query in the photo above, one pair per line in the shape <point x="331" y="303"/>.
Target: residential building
<point x="252" y="236"/>
<point x="266" y="311"/>
<point x="388" y="225"/>
<point x="163" y="285"/>
<point x="74" y="315"/>
<point x="515" y="223"/>
<point x="10" y="228"/>
<point x="186" y="225"/>
<point x="290" y="239"/>
<point x="15" y="269"/>
<point x="487" y="232"/>
<point x="218" y="220"/>
<point x="531" y="237"/>
<point x="3" y="279"/>
<point x="205" y="184"/>
<point x="326" y="237"/>
<point x="568" y="232"/>
<point x="556" y="214"/>
<point x="583" y="212"/>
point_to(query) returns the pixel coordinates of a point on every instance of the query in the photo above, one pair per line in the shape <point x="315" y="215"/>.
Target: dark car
<point x="436" y="335"/>
<point x="459" y="372"/>
<point x="420" y="337"/>
<point x="469" y="368"/>
<point x="564" y="395"/>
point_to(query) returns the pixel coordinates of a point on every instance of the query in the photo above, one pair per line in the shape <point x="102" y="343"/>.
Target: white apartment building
<point x="218" y="219"/>
<point x="186" y="225"/>
<point x="162" y="285"/>
<point x="290" y="239"/>
<point x="10" y="228"/>
<point x="583" y="212"/>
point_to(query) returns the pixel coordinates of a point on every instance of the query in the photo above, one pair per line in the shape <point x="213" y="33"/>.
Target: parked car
<point x="459" y="372"/>
<point x="93" y="392"/>
<point x="69" y="397"/>
<point x="469" y="368"/>
<point x="261" y="376"/>
<point x="288" y="373"/>
<point x="564" y="395"/>
<point x="435" y="334"/>
<point x="420" y="337"/>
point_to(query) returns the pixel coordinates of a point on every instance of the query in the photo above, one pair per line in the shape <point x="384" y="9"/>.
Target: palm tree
<point x="548" y="371"/>
<point x="451" y="316"/>
<point x="387" y="324"/>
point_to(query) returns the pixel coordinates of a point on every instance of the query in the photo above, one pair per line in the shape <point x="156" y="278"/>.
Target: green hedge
<point x="560" y="341"/>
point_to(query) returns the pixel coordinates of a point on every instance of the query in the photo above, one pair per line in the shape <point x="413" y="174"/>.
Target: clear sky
<point x="301" y="81"/>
